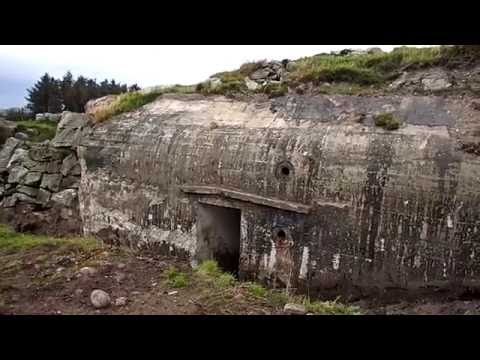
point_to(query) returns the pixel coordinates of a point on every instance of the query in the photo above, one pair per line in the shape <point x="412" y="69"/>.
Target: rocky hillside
<point x="442" y="70"/>
<point x="415" y="70"/>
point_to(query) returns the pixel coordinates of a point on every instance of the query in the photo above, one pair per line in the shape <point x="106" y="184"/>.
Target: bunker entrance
<point x="219" y="236"/>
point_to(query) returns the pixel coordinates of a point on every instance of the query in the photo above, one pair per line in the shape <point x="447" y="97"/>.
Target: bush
<point x="387" y="121"/>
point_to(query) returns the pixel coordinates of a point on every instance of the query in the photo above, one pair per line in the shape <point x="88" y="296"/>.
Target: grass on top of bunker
<point x="45" y="275"/>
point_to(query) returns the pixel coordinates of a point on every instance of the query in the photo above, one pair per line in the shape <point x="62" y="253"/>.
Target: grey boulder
<point x="22" y="136"/>
<point x="65" y="198"/>
<point x="100" y="299"/>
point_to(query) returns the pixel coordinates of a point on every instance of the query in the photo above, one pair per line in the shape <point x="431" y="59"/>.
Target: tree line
<point x="50" y="95"/>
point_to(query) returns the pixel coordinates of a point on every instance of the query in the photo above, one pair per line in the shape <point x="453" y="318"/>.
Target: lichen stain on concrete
<point x="384" y="205"/>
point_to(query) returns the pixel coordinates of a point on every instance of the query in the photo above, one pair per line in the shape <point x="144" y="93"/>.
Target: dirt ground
<point x="48" y="280"/>
<point x="45" y="280"/>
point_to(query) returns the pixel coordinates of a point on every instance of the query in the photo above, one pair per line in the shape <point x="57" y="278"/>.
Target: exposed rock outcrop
<point x="269" y="72"/>
<point x="7" y="130"/>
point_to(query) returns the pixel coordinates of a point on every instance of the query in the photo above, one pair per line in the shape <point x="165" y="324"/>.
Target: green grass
<point x="175" y="278"/>
<point x="359" y="71"/>
<point x="256" y="290"/>
<point x="387" y="121"/>
<point x="208" y="268"/>
<point x="329" y="307"/>
<point x="277" y="298"/>
<point x="11" y="241"/>
<point x="134" y="100"/>
<point x="43" y="129"/>
<point x="363" y="69"/>
<point x="231" y="83"/>
<point x="275" y="89"/>
<point x="209" y="273"/>
<point x="225" y="281"/>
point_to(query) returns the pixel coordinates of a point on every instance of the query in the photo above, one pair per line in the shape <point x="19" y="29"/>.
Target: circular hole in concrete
<point x="284" y="170"/>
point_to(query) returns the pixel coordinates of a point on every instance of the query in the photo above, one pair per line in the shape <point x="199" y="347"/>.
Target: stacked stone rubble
<point x="39" y="181"/>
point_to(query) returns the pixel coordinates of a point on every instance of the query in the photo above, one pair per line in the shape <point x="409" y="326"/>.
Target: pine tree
<point x="51" y="95"/>
<point x="133" y="87"/>
<point x="67" y="92"/>
<point x="45" y="96"/>
<point x="38" y="95"/>
<point x="104" y="87"/>
<point x="55" y="101"/>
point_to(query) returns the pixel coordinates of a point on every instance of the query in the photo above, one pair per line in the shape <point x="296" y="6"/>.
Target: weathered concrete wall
<point x="357" y="205"/>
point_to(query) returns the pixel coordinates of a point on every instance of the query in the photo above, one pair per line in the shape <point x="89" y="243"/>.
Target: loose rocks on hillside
<point x="89" y="271"/>
<point x="100" y="299"/>
<point x="121" y="301"/>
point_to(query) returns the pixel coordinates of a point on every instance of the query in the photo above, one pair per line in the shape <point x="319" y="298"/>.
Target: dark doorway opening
<point x="219" y="236"/>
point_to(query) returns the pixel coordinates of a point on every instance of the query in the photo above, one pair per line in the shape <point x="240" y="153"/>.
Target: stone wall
<point x="39" y="181"/>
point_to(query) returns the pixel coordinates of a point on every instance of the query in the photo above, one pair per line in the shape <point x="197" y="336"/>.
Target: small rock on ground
<point x="121" y="301"/>
<point x="294" y="309"/>
<point x="89" y="271"/>
<point x="100" y="299"/>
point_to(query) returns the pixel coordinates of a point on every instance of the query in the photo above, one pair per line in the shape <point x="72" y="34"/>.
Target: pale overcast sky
<point x="147" y="65"/>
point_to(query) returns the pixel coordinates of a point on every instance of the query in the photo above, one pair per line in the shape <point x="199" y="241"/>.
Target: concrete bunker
<point x="305" y="197"/>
